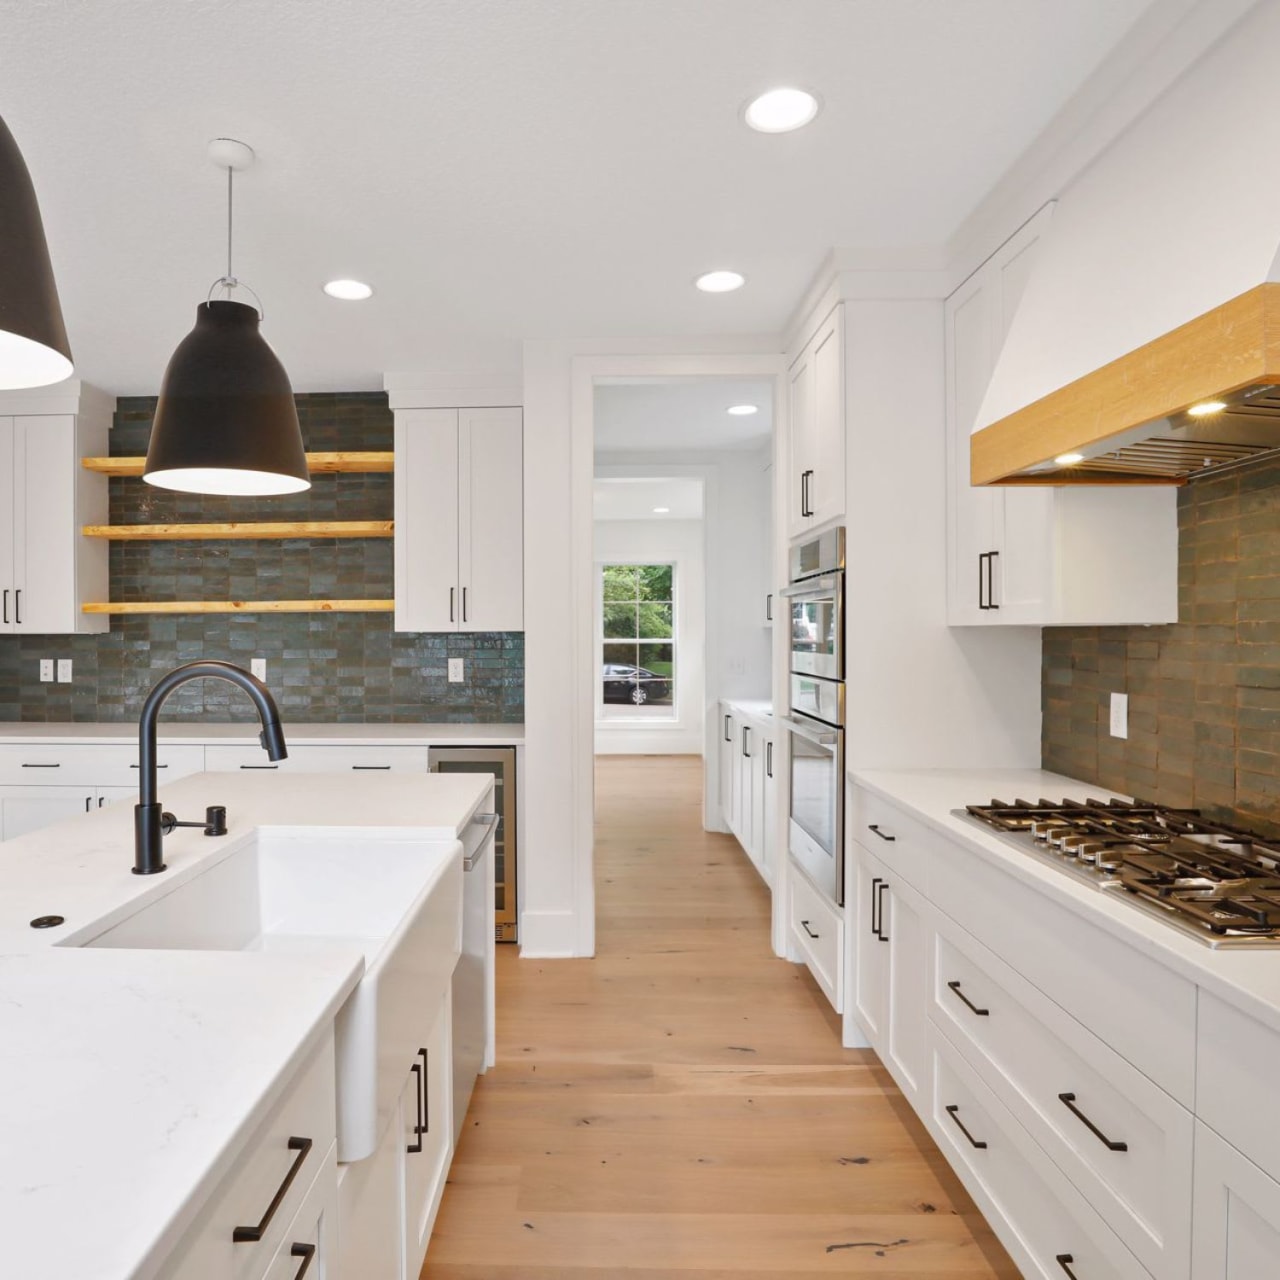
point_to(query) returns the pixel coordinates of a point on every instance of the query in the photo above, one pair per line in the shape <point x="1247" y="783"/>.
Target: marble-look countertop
<point x="761" y="708"/>
<point x="130" y="1078"/>
<point x="1247" y="979"/>
<point x="347" y="735"/>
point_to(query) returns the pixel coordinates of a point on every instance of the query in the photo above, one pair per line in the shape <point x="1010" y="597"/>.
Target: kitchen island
<point x="141" y="1081"/>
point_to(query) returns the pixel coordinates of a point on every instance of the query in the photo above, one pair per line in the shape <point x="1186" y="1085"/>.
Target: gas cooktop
<point x="1217" y="883"/>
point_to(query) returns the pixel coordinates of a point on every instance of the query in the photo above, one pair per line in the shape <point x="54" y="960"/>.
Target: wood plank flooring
<point x="679" y="1107"/>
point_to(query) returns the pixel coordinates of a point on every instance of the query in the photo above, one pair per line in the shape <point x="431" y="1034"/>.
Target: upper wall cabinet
<point x="459" y="527"/>
<point x="815" y="477"/>
<point x="1033" y="555"/>
<point x="48" y="569"/>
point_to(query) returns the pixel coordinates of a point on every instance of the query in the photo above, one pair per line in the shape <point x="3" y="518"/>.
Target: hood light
<point x="1206" y="407"/>
<point x="1068" y="459"/>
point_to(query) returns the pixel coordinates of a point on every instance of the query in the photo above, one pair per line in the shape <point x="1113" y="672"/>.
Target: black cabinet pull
<point x="306" y="1252"/>
<point x="768" y="607"/>
<point x="1068" y="1100"/>
<point x="17" y="607"/>
<point x="414" y="1147"/>
<point x="451" y="593"/>
<point x="88" y="803"/>
<point x="165" y="766"/>
<point x="101" y="801"/>
<point x="883" y="935"/>
<point x="953" y="1112"/>
<point x="804" y="924"/>
<point x="464" y="604"/>
<point x="250" y="1235"/>
<point x="1064" y="1260"/>
<point x="746" y="731"/>
<point x="768" y="759"/>
<point x="876" y="882"/>
<point x="259" y="766"/>
<point x="728" y="737"/>
<point x="42" y="766"/>
<point x="982" y="1013"/>
<point x="426" y="1097"/>
<point x="6" y="605"/>
<point x="871" y="826"/>
<point x="373" y="767"/>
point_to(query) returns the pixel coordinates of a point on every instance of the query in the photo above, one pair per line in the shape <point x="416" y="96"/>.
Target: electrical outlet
<point x="455" y="671"/>
<point x="258" y="667"/>
<point x="1119" y="715"/>
<point x="64" y="670"/>
<point x="46" y="669"/>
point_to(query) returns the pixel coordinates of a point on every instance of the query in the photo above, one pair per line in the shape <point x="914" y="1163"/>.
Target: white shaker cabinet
<point x="459" y="520"/>
<point x="1082" y="555"/>
<point x="1236" y="1234"/>
<point x="48" y="569"/>
<point x="816" y="464"/>
<point x="749" y="783"/>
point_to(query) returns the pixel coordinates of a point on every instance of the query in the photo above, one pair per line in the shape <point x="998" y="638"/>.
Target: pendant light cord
<point x="231" y="173"/>
<point x="229" y="282"/>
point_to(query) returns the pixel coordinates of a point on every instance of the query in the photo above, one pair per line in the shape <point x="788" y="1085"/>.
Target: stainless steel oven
<point x="816" y="722"/>
<point x="815" y="598"/>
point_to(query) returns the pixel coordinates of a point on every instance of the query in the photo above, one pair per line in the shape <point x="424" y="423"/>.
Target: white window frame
<point x="609" y="712"/>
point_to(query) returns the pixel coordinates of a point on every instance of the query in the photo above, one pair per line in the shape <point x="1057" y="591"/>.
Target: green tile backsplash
<point x="1204" y="694"/>
<point x="337" y="667"/>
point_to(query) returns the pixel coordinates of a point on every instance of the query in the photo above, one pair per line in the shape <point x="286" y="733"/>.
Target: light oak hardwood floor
<point x="679" y="1107"/>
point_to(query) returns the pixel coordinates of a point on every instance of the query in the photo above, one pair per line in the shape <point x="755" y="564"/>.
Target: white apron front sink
<point x="398" y="901"/>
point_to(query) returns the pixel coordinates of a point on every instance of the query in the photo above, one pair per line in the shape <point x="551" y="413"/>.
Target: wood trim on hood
<point x="1233" y="346"/>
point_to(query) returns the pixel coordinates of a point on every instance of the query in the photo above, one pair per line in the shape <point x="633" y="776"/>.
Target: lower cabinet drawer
<point x="818" y="929"/>
<point x="1123" y="1141"/>
<point x="79" y="764"/>
<point x="394" y="758"/>
<point x="1046" y="1225"/>
<point x="310" y="1246"/>
<point x="264" y="1191"/>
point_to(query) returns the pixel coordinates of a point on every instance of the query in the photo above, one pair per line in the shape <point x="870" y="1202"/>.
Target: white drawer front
<point x="311" y="1239"/>
<point x="818" y="928"/>
<point x="74" y="765"/>
<point x="1042" y="1063"/>
<point x="1238" y="1067"/>
<point x="1039" y="1216"/>
<point x="901" y="842"/>
<point x="1130" y="1001"/>
<point x="264" y="1166"/>
<point x="394" y="758"/>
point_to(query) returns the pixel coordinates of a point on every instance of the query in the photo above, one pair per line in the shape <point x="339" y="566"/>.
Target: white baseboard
<point x="548" y="935"/>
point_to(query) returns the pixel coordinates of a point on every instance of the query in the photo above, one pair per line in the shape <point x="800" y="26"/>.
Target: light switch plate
<point x="46" y="669"/>
<point x="258" y="667"/>
<point x="64" y="670"/>
<point x="1119" y="715"/>
<point x="455" y="671"/>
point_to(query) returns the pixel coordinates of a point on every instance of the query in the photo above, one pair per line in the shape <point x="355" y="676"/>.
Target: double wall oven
<point x="815" y="723"/>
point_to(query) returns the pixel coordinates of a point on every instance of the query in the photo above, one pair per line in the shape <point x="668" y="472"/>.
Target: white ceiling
<point x="635" y="499"/>
<point x="501" y="169"/>
<point x="656" y="416"/>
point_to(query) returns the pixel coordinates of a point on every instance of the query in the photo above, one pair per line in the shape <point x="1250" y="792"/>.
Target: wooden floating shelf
<point x="243" y="529"/>
<point x="320" y="463"/>
<point x="243" y="606"/>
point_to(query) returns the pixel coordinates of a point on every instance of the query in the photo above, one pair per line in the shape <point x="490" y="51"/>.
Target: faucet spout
<point x="149" y="823"/>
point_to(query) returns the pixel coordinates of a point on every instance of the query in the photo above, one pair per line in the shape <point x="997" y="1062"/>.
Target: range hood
<point x="1154" y="294"/>
<point x="1197" y="400"/>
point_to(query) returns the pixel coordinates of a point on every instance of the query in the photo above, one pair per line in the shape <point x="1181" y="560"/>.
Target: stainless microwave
<point x="815" y="601"/>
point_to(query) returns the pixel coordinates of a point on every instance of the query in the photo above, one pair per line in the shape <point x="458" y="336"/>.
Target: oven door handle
<point x="823" y="737"/>
<point x="811" y="587"/>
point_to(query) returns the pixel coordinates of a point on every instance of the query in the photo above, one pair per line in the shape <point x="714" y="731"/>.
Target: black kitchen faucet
<point x="150" y="823"/>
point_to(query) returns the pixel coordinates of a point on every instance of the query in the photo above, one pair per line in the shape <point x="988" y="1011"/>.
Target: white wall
<point x="679" y="542"/>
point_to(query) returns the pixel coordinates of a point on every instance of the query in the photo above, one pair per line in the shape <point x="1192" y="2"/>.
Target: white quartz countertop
<point x="129" y="1078"/>
<point x="1247" y="979"/>
<point x="759" y="707"/>
<point x="126" y="732"/>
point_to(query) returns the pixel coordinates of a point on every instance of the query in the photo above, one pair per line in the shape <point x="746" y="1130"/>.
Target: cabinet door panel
<point x="1236" y="1234"/>
<point x="426" y="526"/>
<point x="491" y="518"/>
<point x="728" y="761"/>
<point x="428" y="1151"/>
<point x="45" y="530"/>
<point x="907" y="1052"/>
<point x="24" y="809"/>
<point x="871" y="956"/>
<point x="371" y="1212"/>
<point x="827" y="485"/>
<point x="8" y="520"/>
<point x="801" y="401"/>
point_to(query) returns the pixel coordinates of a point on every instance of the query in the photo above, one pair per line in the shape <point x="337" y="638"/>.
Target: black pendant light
<point x="226" y="421"/>
<point x="33" y="340"/>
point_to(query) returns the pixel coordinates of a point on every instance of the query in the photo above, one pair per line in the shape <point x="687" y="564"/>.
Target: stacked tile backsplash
<point x="1204" y="695"/>
<point x="322" y="667"/>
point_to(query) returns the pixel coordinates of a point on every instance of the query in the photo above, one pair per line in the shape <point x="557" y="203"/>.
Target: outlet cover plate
<point x="455" y="671"/>
<point x="258" y="667"/>
<point x="46" y="669"/>
<point x="1119" y="715"/>
<point x="64" y="670"/>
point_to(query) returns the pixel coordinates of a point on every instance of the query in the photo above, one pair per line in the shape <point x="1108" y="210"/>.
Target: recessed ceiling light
<point x="661" y="511"/>
<point x="720" y="281"/>
<point x="743" y="410"/>
<point x="348" y="290"/>
<point x="1206" y="407"/>
<point x="781" y="110"/>
<point x="1069" y="459"/>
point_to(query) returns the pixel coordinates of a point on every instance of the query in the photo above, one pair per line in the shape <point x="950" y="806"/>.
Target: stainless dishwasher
<point x="473" y="979"/>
